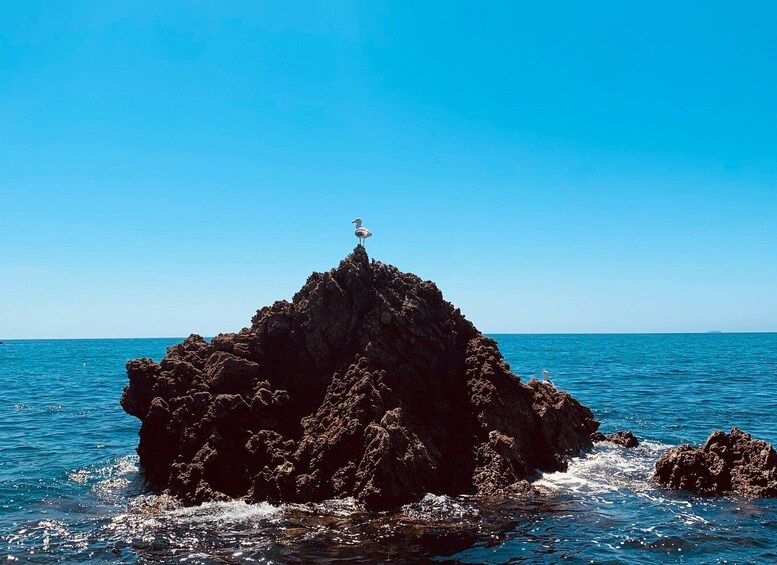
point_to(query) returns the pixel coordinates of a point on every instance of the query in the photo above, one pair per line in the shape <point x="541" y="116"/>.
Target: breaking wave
<point x="607" y="468"/>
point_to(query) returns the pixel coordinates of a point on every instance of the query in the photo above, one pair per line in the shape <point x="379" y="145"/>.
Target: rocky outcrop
<point x="366" y="384"/>
<point x="727" y="464"/>
<point x="624" y="439"/>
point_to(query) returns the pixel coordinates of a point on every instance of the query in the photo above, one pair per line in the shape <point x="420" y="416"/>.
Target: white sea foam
<point x="607" y="468"/>
<point x="433" y="507"/>
<point x="612" y="469"/>
<point x="230" y="512"/>
<point x="148" y="514"/>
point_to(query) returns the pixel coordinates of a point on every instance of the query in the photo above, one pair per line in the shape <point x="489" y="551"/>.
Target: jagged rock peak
<point x="367" y="384"/>
<point x="359" y="256"/>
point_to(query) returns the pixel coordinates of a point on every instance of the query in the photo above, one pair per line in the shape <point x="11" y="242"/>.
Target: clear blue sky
<point x="167" y="167"/>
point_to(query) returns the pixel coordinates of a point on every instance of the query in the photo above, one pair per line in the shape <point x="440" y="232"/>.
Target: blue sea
<point x="70" y="489"/>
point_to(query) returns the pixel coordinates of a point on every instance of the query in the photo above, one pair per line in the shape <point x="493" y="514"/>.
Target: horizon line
<point x="709" y="332"/>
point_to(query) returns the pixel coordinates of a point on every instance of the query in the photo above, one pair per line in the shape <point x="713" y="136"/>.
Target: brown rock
<point x="624" y="439"/>
<point x="727" y="464"/>
<point x="367" y="384"/>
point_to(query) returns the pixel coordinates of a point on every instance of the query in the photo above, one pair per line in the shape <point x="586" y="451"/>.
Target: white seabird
<point x="546" y="378"/>
<point x="361" y="233"/>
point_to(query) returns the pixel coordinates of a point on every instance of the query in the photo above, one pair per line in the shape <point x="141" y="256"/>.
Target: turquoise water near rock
<point x="70" y="489"/>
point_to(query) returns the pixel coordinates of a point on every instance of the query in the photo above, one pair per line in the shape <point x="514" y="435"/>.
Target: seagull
<point x="361" y="233"/>
<point x="546" y="378"/>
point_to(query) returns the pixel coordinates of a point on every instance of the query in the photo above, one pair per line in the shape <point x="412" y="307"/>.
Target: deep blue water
<point x="70" y="490"/>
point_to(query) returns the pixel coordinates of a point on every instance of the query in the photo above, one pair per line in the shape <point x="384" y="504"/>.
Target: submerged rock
<point x="727" y="464"/>
<point x="367" y="384"/>
<point x="624" y="439"/>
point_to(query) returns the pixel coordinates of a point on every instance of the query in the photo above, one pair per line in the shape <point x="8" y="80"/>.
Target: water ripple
<point x="71" y="490"/>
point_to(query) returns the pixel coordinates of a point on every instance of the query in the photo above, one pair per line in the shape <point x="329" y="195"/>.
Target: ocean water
<point x="70" y="489"/>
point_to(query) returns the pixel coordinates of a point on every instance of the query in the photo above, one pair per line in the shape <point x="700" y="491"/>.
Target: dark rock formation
<point x="727" y="464"/>
<point x="367" y="384"/>
<point x="624" y="439"/>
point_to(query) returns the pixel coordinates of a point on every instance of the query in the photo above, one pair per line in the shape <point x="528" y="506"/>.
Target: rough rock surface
<point x="624" y="439"/>
<point x="727" y="464"/>
<point x="367" y="384"/>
